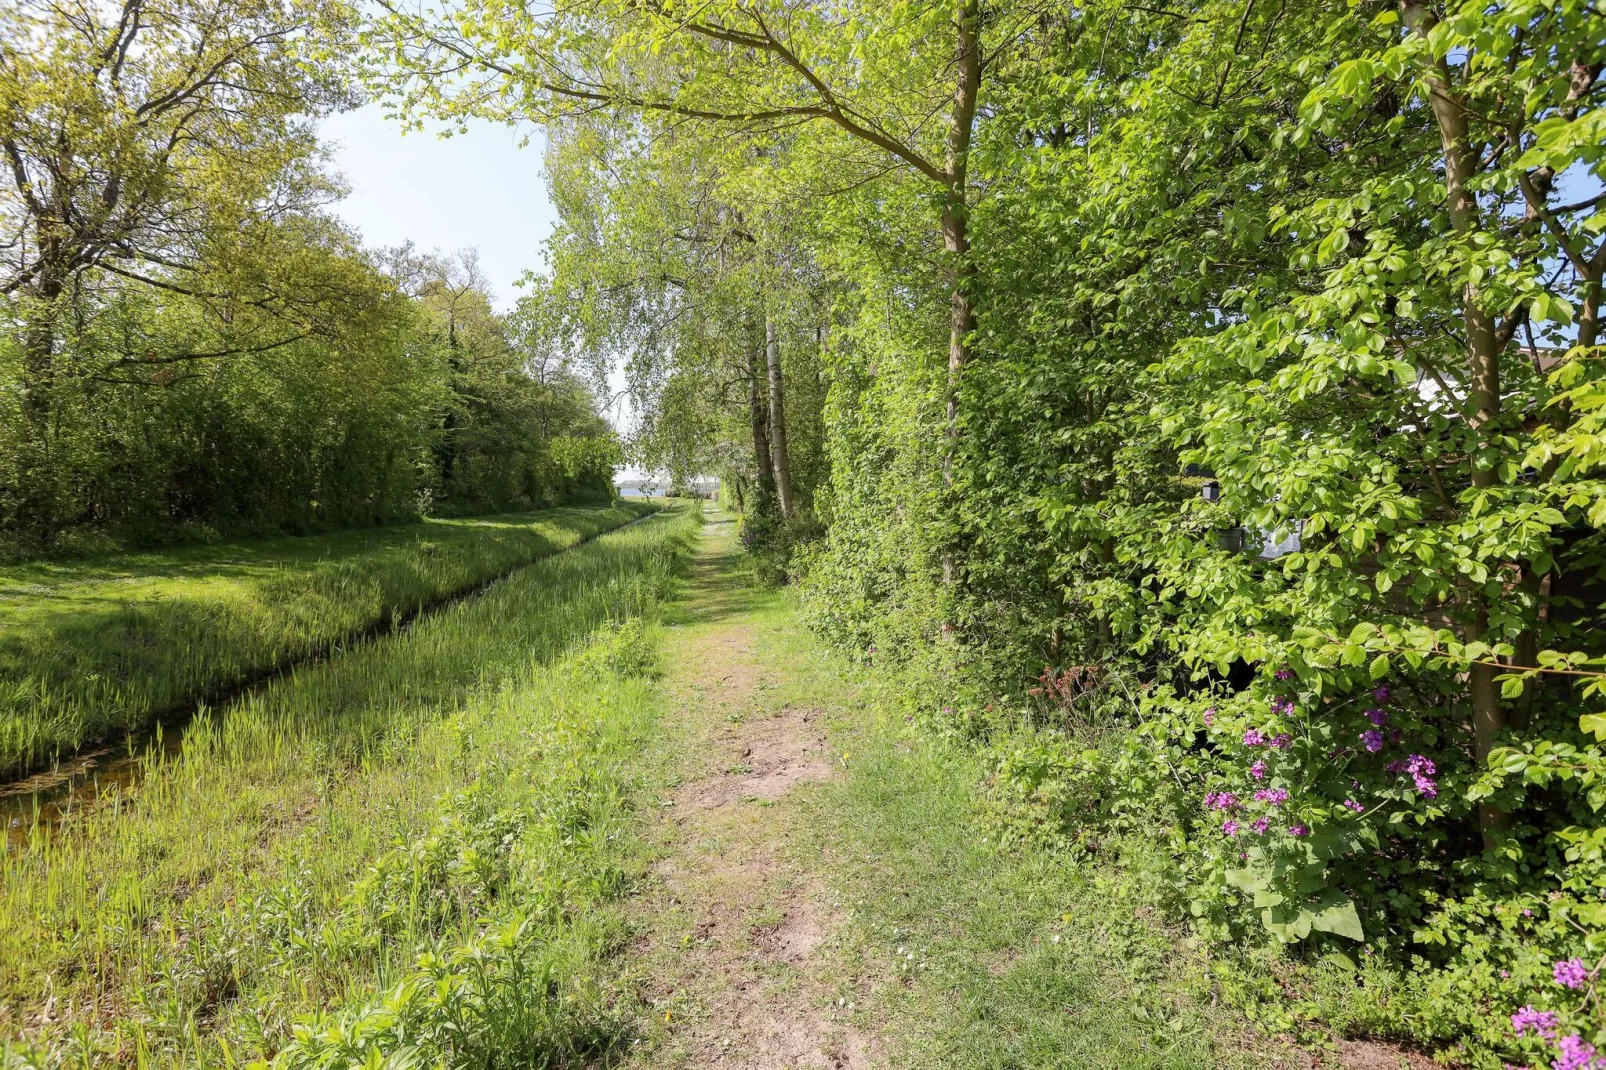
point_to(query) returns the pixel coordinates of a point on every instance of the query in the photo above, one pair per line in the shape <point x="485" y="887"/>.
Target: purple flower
<point x="1573" y="1052"/>
<point x="1284" y="673"/>
<point x="1570" y="973"/>
<point x="1282" y="706"/>
<point x="1261" y="825"/>
<point x="1229" y="828"/>
<point x="1422" y="770"/>
<point x="1372" y="740"/>
<point x="1381" y="692"/>
<point x="1377" y="717"/>
<point x="1351" y="804"/>
<point x="1210" y="716"/>
<point x="1254" y="738"/>
<point x="1540" y="1023"/>
<point x="1221" y="800"/>
<point x="1298" y="830"/>
<point x="1258" y="770"/>
<point x="1275" y="796"/>
<point x="1283" y="741"/>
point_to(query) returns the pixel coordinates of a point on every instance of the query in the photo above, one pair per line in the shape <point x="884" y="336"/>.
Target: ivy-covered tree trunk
<point x="764" y="496"/>
<point x="956" y="237"/>
<point x="37" y="507"/>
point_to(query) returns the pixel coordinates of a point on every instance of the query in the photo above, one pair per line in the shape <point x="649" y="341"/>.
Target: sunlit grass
<point x="432" y="791"/>
<point x="96" y="648"/>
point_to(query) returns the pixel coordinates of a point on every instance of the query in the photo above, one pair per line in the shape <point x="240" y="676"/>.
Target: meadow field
<point x="415" y="838"/>
<point x="91" y="649"/>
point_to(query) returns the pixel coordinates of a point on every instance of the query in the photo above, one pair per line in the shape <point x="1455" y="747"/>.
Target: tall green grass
<point x="409" y="847"/>
<point x="93" y="649"/>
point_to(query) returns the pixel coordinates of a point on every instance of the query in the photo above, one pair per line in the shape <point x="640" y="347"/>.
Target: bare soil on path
<point x="734" y="930"/>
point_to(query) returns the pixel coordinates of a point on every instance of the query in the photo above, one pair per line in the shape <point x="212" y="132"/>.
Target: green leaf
<point x="1594" y="724"/>
<point x="1337" y="915"/>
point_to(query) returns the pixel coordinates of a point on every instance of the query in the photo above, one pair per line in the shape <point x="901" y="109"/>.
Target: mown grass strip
<point x="422" y="833"/>
<point x="962" y="947"/>
<point x="93" y="649"/>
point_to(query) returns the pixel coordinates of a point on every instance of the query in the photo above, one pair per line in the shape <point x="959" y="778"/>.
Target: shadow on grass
<point x="718" y="584"/>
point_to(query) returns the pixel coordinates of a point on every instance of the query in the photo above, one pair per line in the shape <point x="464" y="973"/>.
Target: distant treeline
<point x="190" y="343"/>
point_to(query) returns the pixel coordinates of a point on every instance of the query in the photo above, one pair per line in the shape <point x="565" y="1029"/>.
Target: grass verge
<point x="92" y="649"/>
<point x="410" y="849"/>
<point x="990" y="956"/>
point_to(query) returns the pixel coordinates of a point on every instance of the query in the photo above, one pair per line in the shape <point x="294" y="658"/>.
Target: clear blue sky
<point x="476" y="189"/>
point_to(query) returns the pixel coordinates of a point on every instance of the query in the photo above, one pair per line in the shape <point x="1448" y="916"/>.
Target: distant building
<point x="706" y="487"/>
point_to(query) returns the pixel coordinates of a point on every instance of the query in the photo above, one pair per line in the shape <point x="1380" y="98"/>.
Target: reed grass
<point x="411" y="846"/>
<point x="94" y="649"/>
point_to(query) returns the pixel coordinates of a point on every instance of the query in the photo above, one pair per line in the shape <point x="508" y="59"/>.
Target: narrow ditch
<point x="43" y="800"/>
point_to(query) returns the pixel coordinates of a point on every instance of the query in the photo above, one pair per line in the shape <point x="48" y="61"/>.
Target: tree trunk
<point x="778" y="447"/>
<point x="37" y="507"/>
<point x="764" y="492"/>
<point x="956" y="238"/>
<point x="1483" y="374"/>
<point x="955" y="224"/>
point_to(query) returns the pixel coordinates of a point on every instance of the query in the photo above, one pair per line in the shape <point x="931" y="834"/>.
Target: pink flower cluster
<point x="1422" y="770"/>
<point x="1258" y="770"/>
<point x="1372" y="740"/>
<point x="1540" y="1023"/>
<point x="1378" y="717"/>
<point x="1221" y="800"/>
<point x="1573" y="1052"/>
<point x="1351" y="804"/>
<point x="1570" y="973"/>
<point x="1254" y="737"/>
<point x="1282" y="706"/>
<point x="1275" y="796"/>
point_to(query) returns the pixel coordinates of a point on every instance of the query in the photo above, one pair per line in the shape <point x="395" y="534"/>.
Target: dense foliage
<point x="190" y="343"/>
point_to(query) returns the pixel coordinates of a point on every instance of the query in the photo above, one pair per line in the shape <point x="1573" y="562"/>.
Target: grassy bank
<point x="91" y="649"/>
<point x="412" y="845"/>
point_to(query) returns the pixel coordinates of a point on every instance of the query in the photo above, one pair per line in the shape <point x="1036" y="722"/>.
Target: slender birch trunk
<point x="781" y="454"/>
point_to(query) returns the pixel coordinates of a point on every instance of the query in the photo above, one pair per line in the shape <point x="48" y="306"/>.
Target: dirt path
<point x="735" y="930"/>
<point x="825" y="896"/>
